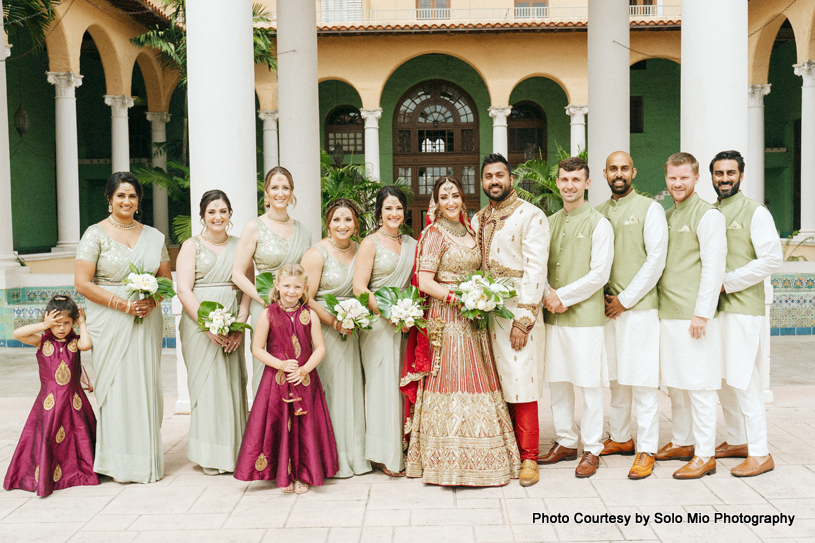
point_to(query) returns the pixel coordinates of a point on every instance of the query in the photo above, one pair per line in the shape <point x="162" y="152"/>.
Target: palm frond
<point x="33" y="15"/>
<point x="182" y="228"/>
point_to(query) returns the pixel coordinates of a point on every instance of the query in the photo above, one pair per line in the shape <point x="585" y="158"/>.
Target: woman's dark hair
<point x="62" y="303"/>
<point x="384" y="192"/>
<point x="212" y="196"/>
<point x="335" y="205"/>
<point x="123" y="177"/>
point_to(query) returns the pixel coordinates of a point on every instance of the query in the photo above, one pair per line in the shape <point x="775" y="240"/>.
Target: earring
<point x="266" y="202"/>
<point x="110" y="208"/>
<point x="380" y="221"/>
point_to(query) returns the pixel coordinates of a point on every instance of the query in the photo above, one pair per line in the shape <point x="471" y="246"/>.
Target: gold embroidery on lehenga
<point x="305" y="317"/>
<point x="48" y="404"/>
<point x="37" y="475"/>
<point x="296" y="343"/>
<point x="63" y="374"/>
<point x="435" y="332"/>
<point x="261" y="463"/>
<point x="77" y="402"/>
<point x="60" y="434"/>
<point x="47" y="348"/>
<point x="72" y="346"/>
<point x="57" y="473"/>
<point x="280" y="377"/>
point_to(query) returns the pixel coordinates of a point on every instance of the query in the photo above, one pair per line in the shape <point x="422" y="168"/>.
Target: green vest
<point x="569" y="260"/>
<point x="627" y="217"/>
<point x="679" y="284"/>
<point x="738" y="213"/>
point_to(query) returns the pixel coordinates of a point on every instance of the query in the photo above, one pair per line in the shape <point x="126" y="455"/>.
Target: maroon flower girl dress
<point x="288" y="435"/>
<point x="57" y="445"/>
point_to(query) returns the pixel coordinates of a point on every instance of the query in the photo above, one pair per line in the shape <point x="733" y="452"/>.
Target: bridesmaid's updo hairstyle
<point x="337" y="204"/>
<point x="268" y="181"/>
<point x="212" y="196"/>
<point x="289" y="270"/>
<point x="64" y="304"/>
<point x="442" y="180"/>
<point x="383" y="194"/>
<point x="123" y="177"/>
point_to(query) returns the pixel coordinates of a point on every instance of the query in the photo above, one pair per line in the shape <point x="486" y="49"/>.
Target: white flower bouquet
<point x="482" y="295"/>
<point x="214" y="318"/>
<point x="146" y="285"/>
<point x="353" y="313"/>
<point x="403" y="308"/>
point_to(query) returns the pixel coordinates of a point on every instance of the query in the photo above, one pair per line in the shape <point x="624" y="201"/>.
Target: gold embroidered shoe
<point x="529" y="473"/>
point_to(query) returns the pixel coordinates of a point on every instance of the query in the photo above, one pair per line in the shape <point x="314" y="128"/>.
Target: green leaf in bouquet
<point x="239" y="327"/>
<point x="331" y="302"/>
<point x="363" y="299"/>
<point x="386" y="298"/>
<point x="203" y="312"/>
<point x="165" y="287"/>
<point x="264" y="283"/>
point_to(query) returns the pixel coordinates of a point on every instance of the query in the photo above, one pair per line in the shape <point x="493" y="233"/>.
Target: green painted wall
<point x="782" y="107"/>
<point x="549" y="96"/>
<point x="33" y="160"/>
<point x="659" y="86"/>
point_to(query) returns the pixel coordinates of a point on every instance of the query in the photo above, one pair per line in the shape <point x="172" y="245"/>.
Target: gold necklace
<point x="453" y="227"/>
<point x="212" y="241"/>
<point x="290" y="309"/>
<point x="386" y="235"/>
<point x="278" y="221"/>
<point x="121" y="226"/>
<point x="337" y="247"/>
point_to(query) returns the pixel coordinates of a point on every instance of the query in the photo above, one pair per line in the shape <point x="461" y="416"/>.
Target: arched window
<point x="526" y="126"/>
<point x="344" y="126"/>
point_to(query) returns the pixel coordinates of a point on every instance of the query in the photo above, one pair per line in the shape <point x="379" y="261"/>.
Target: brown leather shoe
<point x="753" y="466"/>
<point x="731" y="451"/>
<point x="557" y="454"/>
<point x="587" y="466"/>
<point x="643" y="466"/>
<point x="674" y="452"/>
<point x="696" y="469"/>
<point x="529" y="473"/>
<point x="615" y="447"/>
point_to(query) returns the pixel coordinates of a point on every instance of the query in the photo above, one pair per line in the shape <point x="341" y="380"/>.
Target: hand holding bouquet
<point x="215" y="319"/>
<point x="402" y="308"/>
<point x="146" y="285"/>
<point x="482" y="295"/>
<point x="353" y="313"/>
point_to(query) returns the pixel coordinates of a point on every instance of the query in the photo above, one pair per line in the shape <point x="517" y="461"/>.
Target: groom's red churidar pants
<point x="525" y="422"/>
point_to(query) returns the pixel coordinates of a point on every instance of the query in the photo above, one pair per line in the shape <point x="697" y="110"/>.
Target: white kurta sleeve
<point x="602" y="255"/>
<point x="769" y="255"/>
<point x="713" y="252"/>
<point x="535" y="255"/>
<point x="655" y="235"/>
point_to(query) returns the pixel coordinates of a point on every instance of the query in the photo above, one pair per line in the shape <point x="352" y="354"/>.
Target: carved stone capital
<point x="499" y="114"/>
<point x="756" y="94"/>
<point x="119" y="104"/>
<point x="266" y="115"/>
<point x="577" y="113"/>
<point x="65" y="83"/>
<point x="806" y="69"/>
<point x="371" y="117"/>
<point x="161" y="117"/>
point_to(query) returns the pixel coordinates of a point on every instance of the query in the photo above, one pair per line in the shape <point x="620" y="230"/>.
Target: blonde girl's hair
<point x="289" y="270"/>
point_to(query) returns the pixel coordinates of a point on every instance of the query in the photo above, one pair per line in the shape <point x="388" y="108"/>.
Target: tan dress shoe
<point x="753" y="466"/>
<point x="643" y="466"/>
<point x="675" y="452"/>
<point x="587" y="466"/>
<point x="529" y="473"/>
<point x="731" y="451"/>
<point x="615" y="447"/>
<point x="696" y="469"/>
<point x="557" y="454"/>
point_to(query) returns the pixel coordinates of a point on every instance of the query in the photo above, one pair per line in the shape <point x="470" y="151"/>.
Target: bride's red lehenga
<point x="457" y="427"/>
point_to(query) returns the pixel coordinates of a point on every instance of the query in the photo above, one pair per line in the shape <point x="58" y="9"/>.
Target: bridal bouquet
<point x="482" y="295"/>
<point x="146" y="285"/>
<point x="403" y="308"/>
<point x="214" y="318"/>
<point x="353" y="313"/>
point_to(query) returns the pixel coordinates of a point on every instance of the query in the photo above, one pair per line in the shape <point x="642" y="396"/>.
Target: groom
<point x="514" y="239"/>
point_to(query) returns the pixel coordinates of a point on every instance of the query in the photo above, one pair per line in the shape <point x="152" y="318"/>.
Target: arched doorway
<point x="526" y="127"/>
<point x="435" y="133"/>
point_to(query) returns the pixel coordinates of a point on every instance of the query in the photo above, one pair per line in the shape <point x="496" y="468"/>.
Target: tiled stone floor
<point x="189" y="506"/>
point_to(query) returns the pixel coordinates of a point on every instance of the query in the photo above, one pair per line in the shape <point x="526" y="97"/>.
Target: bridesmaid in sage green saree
<point x="126" y="354"/>
<point x="216" y="374"/>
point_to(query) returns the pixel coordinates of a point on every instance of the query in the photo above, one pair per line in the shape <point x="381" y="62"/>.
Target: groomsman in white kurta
<point x="753" y="254"/>
<point x="632" y="306"/>
<point x="580" y="257"/>
<point x="690" y="341"/>
<point x="514" y="240"/>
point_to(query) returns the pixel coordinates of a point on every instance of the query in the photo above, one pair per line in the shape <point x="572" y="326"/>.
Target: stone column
<point x="7" y="257"/>
<point x="806" y="70"/>
<point x="158" y="124"/>
<point x="119" y="131"/>
<point x="713" y="108"/>
<point x="500" y="138"/>
<point x="298" y="101"/>
<point x="577" y="114"/>
<point x="271" y="158"/>
<point x="67" y="155"/>
<point x="371" y="117"/>
<point x="609" y="88"/>
<point x="754" y="187"/>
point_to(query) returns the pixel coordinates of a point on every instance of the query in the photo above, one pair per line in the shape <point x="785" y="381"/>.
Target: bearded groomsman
<point x="514" y="240"/>
<point x="753" y="254"/>
<point x="632" y="306"/>
<point x="582" y="251"/>
<point x="690" y="342"/>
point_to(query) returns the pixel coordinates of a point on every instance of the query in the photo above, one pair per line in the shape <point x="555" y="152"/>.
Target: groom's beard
<point x="501" y="197"/>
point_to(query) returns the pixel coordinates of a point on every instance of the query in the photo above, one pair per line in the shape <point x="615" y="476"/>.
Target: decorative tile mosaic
<point x="794" y="282"/>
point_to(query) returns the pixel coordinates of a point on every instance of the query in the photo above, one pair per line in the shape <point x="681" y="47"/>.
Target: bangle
<point x="128" y="307"/>
<point x="451" y="298"/>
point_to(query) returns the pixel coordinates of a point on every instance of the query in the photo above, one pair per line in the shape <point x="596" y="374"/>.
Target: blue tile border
<point x="775" y="332"/>
<point x="787" y="331"/>
<point x="803" y="331"/>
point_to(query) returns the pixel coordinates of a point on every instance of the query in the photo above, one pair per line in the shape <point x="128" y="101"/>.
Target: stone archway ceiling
<point x="144" y="12"/>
